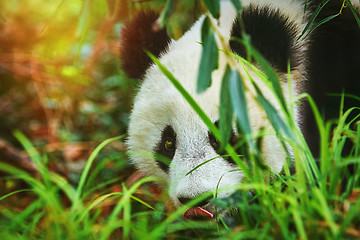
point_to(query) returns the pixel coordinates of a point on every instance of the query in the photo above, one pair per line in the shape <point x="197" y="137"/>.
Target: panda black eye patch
<point x="215" y="144"/>
<point x="166" y="147"/>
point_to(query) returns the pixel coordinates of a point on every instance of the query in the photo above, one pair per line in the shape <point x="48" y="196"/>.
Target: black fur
<point x="333" y="66"/>
<point x="271" y="33"/>
<point x="139" y="35"/>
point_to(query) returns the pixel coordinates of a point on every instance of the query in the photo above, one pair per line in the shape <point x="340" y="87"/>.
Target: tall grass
<point x="49" y="216"/>
<point x="283" y="206"/>
<point x="315" y="202"/>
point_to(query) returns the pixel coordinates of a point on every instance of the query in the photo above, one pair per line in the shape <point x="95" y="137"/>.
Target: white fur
<point x="355" y="3"/>
<point x="159" y="104"/>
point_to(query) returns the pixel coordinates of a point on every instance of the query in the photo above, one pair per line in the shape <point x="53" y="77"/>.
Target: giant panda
<point x="163" y="123"/>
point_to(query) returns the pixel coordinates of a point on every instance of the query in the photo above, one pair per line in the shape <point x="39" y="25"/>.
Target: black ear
<point x="271" y="33"/>
<point x="138" y="35"/>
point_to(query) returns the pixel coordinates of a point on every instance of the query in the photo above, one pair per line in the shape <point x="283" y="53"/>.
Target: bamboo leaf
<point x="238" y="101"/>
<point x="272" y="76"/>
<point x="166" y="13"/>
<point x="356" y="14"/>
<point x="276" y="121"/>
<point x="209" y="56"/>
<point x="214" y="7"/>
<point x="226" y="110"/>
<point x="237" y="4"/>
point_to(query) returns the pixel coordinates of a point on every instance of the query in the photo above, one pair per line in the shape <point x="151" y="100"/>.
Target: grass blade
<point x="313" y="17"/>
<point x="91" y="159"/>
<point x="112" y="222"/>
<point x="325" y="20"/>
<point x="31" y="151"/>
<point x="15" y="192"/>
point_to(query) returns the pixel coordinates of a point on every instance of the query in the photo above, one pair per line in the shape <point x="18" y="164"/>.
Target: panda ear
<point x="139" y="35"/>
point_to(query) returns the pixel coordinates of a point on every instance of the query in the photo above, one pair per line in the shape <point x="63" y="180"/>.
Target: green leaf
<point x="209" y="56"/>
<point x="33" y="153"/>
<point x="238" y="100"/>
<point x="353" y="10"/>
<point x="276" y="121"/>
<point x="112" y="221"/>
<point x="325" y="20"/>
<point x="87" y="167"/>
<point x="272" y="76"/>
<point x="313" y="16"/>
<point x="237" y="4"/>
<point x="226" y="110"/>
<point x="166" y="13"/>
<point x="15" y="192"/>
<point x="214" y="7"/>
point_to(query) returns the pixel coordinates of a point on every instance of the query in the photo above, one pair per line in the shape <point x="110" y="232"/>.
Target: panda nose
<point x="185" y="200"/>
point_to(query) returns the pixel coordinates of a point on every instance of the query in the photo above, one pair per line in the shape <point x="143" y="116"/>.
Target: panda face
<point x="162" y="123"/>
<point x="167" y="125"/>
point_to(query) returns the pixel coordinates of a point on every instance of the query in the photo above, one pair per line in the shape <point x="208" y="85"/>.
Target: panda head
<point x="162" y="123"/>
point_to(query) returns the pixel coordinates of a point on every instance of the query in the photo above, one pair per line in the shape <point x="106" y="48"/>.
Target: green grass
<point x="303" y="205"/>
<point x="314" y="203"/>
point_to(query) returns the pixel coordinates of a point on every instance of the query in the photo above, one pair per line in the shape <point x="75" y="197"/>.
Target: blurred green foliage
<point x="59" y="70"/>
<point x="61" y="84"/>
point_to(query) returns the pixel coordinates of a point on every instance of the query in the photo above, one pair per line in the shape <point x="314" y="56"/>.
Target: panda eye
<point x="214" y="142"/>
<point x="166" y="147"/>
<point x="169" y="145"/>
